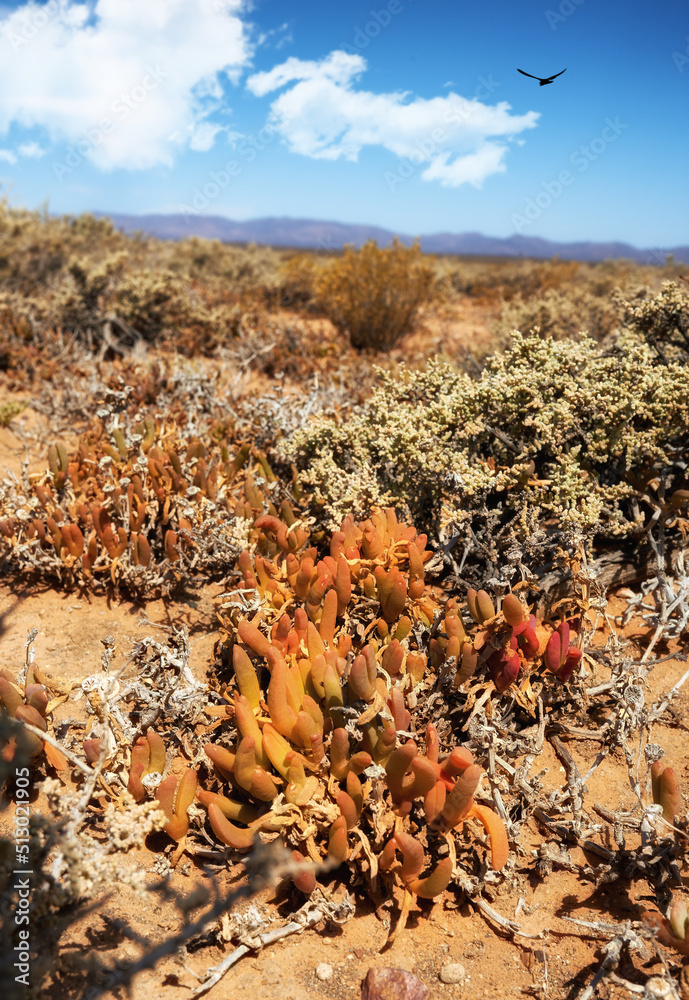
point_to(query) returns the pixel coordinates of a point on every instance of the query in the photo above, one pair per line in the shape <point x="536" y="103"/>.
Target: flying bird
<point x="548" y="79"/>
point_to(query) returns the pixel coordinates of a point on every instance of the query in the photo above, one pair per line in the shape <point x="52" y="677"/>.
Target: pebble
<point x="452" y="973"/>
<point x="324" y="971"/>
<point x="392" y="984"/>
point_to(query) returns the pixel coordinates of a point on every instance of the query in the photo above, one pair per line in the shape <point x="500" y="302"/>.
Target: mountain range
<point x="323" y="237"/>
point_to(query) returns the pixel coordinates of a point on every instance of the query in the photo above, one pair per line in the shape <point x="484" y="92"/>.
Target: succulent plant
<point x="139" y="507"/>
<point x="28" y="702"/>
<point x="174" y="795"/>
<point x="322" y="751"/>
<point x="561" y="658"/>
<point x="666" y="789"/>
<point x="148" y="757"/>
<point x="672" y="930"/>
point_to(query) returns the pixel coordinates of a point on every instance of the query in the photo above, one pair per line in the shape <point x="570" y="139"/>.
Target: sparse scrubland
<point x="433" y="514"/>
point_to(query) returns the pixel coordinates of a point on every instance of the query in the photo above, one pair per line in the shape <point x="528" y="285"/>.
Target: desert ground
<point x="116" y="354"/>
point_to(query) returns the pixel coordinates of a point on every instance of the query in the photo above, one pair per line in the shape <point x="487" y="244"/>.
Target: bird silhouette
<point x="542" y="82"/>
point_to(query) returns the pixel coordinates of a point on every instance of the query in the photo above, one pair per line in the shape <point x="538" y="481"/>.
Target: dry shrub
<point x="662" y="321"/>
<point x="497" y="278"/>
<point x="36" y="248"/>
<point x="79" y="281"/>
<point x="298" y="280"/>
<point x="247" y="272"/>
<point x="560" y="313"/>
<point x="500" y="279"/>
<point x="375" y="294"/>
<point x="109" y="305"/>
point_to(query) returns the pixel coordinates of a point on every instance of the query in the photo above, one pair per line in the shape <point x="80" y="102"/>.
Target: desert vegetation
<point x="432" y="514"/>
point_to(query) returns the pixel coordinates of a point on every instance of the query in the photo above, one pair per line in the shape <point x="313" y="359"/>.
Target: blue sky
<point x="408" y="114"/>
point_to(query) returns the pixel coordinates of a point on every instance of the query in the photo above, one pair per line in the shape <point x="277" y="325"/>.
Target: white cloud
<point x="7" y="156"/>
<point x="283" y="35"/>
<point x="339" y="67"/>
<point x="203" y="136"/>
<point x="470" y="169"/>
<point x="322" y="115"/>
<point x="32" y="150"/>
<point x="153" y="70"/>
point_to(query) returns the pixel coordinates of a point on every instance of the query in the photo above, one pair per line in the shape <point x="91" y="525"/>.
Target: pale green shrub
<point x="451" y="451"/>
<point x="663" y="321"/>
<point x="558" y="313"/>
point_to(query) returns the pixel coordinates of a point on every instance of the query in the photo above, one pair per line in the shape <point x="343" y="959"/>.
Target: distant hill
<point x="321" y="237"/>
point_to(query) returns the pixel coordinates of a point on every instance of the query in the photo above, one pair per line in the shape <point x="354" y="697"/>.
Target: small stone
<point x="324" y="971"/>
<point x="452" y="973"/>
<point x="392" y="984"/>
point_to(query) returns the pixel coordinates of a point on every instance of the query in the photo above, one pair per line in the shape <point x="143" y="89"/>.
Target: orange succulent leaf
<point x="493" y="825"/>
<point x="458" y="761"/>
<point x="665" y="932"/>
<point x="222" y="758"/>
<point x="228" y="833"/>
<point x="11" y="696"/>
<point x="513" y="610"/>
<point x="398" y="766"/>
<point x="156" y="748"/>
<point x="237" y="812"/>
<point x="435" y="883"/>
<point x="165" y="795"/>
<point x="339" y="753"/>
<point x="425" y="776"/>
<point x="432" y="743"/>
<point x="252" y="637"/>
<point x="348" y="809"/>
<point x="92" y="749"/>
<point x="460" y="798"/>
<point x="305" y="881"/>
<point x="667" y="791"/>
<point x="386" y="858"/>
<point x="413" y="856"/>
<point x="338" y="846"/>
<point x="434" y="802"/>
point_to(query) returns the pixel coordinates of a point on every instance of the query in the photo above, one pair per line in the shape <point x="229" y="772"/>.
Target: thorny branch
<point x="308" y="916"/>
